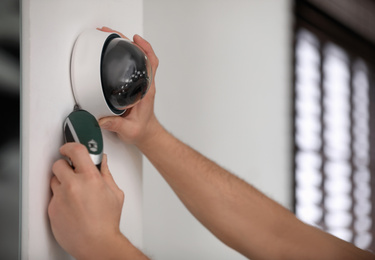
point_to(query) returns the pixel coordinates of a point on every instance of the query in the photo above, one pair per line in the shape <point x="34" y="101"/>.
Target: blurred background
<point x="334" y="116"/>
<point x="10" y="118"/>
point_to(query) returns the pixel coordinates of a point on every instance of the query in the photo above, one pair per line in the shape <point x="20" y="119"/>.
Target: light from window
<point x="332" y="172"/>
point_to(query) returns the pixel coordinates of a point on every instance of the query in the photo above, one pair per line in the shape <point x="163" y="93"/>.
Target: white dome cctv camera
<point x="109" y="74"/>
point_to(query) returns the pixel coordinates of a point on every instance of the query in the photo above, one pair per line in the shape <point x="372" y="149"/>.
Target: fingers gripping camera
<point x="109" y="74"/>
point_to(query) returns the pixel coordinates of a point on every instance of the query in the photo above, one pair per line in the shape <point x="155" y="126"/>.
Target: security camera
<point x="109" y="74"/>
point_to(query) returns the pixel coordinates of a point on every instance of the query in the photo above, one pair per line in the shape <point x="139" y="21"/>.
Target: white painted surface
<point x="223" y="87"/>
<point x="49" y="29"/>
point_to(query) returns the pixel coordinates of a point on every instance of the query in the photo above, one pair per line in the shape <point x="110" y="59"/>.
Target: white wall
<point x="49" y="29"/>
<point x="223" y="87"/>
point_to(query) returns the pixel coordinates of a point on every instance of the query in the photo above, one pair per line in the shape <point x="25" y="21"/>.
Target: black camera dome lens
<point x="125" y="74"/>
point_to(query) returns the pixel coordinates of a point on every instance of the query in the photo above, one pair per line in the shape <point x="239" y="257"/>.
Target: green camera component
<point x="82" y="127"/>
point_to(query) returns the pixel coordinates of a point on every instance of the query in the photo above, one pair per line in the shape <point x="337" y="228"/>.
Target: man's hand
<point x="86" y="205"/>
<point x="139" y="123"/>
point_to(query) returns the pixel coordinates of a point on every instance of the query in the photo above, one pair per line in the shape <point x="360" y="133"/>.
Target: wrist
<point x="153" y="132"/>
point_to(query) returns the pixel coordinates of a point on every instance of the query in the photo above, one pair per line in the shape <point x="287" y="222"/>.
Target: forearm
<point x="231" y="209"/>
<point x="236" y="212"/>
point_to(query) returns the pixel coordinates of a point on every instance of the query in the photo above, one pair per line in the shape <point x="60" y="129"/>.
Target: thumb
<point x="106" y="174"/>
<point x="112" y="123"/>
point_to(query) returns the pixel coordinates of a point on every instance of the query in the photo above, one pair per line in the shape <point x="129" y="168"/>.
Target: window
<point x="334" y="179"/>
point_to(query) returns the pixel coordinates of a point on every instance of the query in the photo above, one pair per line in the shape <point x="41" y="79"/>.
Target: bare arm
<point x="234" y="211"/>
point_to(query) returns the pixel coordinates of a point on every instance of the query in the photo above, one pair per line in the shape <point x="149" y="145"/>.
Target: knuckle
<point x="71" y="188"/>
<point x="156" y="62"/>
<point x="147" y="44"/>
<point x="73" y="149"/>
<point x="79" y="148"/>
<point x="53" y="181"/>
<point x="56" y="165"/>
<point x="121" y="195"/>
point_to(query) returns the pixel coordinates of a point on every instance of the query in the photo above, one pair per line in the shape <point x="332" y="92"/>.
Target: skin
<point x="86" y="204"/>
<point x="85" y="208"/>
<point x="239" y="215"/>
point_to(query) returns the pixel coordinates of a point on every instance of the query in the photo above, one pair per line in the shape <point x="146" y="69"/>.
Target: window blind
<point x="332" y="139"/>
